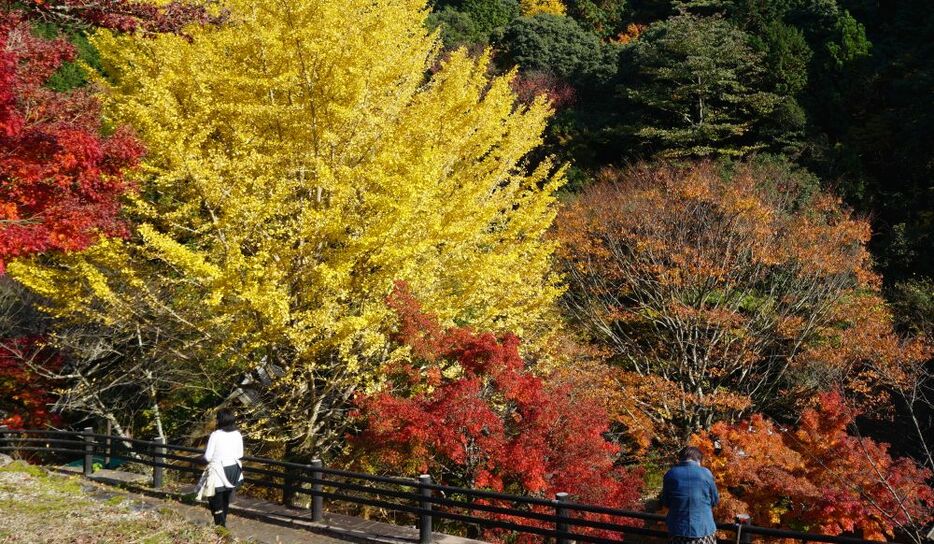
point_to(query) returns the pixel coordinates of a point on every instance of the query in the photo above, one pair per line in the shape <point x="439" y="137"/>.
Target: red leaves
<point x="817" y="476"/>
<point x="469" y="411"/>
<point x="10" y="120"/>
<point x="530" y="85"/>
<point x="24" y="396"/>
<point x="60" y="179"/>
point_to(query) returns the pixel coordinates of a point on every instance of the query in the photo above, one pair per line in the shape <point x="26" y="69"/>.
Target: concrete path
<point x="261" y="521"/>
<point x="242" y="528"/>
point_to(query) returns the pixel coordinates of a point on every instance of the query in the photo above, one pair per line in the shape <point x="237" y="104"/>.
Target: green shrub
<point x="559" y="45"/>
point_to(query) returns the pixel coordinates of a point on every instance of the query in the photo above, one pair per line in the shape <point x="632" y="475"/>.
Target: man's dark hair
<point x="226" y="421"/>
<point x="690" y="453"/>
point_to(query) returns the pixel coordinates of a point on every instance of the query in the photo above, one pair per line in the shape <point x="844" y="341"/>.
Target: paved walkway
<point x="264" y="522"/>
<point x="241" y="527"/>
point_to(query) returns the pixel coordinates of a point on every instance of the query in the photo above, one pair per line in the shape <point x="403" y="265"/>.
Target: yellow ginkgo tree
<point x="301" y="158"/>
<point x="535" y="7"/>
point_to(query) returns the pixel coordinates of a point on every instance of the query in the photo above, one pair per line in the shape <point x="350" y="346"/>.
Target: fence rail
<point x="558" y="520"/>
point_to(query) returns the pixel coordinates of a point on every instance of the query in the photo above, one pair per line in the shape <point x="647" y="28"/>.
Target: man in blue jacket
<point x="690" y="494"/>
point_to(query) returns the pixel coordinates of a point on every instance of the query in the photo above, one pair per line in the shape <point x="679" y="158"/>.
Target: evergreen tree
<point x="472" y="22"/>
<point x="700" y="88"/>
<point x="604" y="17"/>
<point x="558" y="45"/>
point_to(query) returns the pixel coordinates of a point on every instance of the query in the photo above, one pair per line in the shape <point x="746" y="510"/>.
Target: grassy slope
<point x="38" y="507"/>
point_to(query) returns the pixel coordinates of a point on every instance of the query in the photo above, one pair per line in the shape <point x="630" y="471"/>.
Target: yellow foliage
<point x="534" y="7"/>
<point x="298" y="163"/>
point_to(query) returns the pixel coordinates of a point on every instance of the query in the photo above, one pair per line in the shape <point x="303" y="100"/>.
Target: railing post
<point x="424" y="524"/>
<point x="288" y="486"/>
<point x="88" y="451"/>
<point x="317" y="501"/>
<point x="158" y="459"/>
<point x="561" y="526"/>
<point x="108" y="445"/>
<point x="3" y="435"/>
<point x="743" y="537"/>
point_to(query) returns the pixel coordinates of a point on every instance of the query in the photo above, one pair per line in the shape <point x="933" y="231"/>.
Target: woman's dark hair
<point x="690" y="453"/>
<point x="226" y="421"/>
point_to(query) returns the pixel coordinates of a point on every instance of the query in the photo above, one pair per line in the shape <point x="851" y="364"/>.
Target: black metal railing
<point x="418" y="500"/>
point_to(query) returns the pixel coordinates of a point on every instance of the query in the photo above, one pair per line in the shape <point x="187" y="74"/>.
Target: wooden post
<point x="317" y="501"/>
<point x="108" y="444"/>
<point x="742" y="537"/>
<point x="88" y="451"/>
<point x="561" y="512"/>
<point x="3" y="434"/>
<point x="288" y="486"/>
<point x="424" y="525"/>
<point x="158" y="459"/>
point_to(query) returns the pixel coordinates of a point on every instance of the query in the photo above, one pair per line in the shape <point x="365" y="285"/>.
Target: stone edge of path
<point x="334" y="525"/>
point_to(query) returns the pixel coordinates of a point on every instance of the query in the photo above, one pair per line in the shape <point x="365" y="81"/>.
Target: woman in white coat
<point x="223" y="454"/>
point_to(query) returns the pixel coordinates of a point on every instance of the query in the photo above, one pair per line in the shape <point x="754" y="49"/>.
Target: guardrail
<point x="559" y="520"/>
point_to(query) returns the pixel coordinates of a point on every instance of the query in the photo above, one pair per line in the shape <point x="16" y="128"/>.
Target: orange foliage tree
<point x="630" y="400"/>
<point x="717" y="290"/>
<point x="816" y="477"/>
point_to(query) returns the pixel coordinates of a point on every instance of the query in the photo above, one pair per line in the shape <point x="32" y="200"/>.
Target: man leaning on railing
<point x="690" y="493"/>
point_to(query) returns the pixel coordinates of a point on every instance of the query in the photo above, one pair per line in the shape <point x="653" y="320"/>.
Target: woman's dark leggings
<point x="219" y="504"/>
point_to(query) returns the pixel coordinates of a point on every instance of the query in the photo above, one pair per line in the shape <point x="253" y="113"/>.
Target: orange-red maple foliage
<point x="718" y="292"/>
<point x="468" y="411"/>
<point x="816" y="476"/>
<point x="60" y="178"/>
<point x="25" y="399"/>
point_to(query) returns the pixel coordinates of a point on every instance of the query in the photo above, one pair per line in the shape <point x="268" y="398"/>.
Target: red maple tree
<point x="24" y="395"/>
<point x="60" y="178"/>
<point x="816" y="477"/>
<point x="61" y="172"/>
<point x="467" y="410"/>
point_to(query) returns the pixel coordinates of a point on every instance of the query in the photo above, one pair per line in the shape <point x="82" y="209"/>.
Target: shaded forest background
<point x="841" y="87"/>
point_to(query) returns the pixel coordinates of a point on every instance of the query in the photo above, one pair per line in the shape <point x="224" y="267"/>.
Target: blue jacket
<point x="690" y="493"/>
